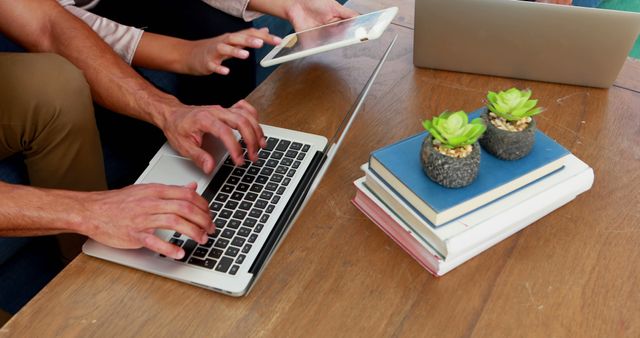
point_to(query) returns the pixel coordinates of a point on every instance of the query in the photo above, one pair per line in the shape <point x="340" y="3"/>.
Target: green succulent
<point x="453" y="129"/>
<point x="513" y="104"/>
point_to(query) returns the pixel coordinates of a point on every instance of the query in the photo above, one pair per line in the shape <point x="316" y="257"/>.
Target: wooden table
<point x="574" y="273"/>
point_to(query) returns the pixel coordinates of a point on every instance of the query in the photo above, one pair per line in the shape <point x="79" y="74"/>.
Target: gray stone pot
<point x="449" y="171"/>
<point x="508" y="145"/>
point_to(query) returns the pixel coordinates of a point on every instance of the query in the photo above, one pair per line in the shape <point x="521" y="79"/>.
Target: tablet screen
<point x="355" y="28"/>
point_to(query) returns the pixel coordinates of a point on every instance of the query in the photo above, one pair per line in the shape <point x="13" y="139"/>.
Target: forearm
<point x="304" y="14"/>
<point x="121" y="38"/>
<point x="237" y="8"/>
<point x="113" y="83"/>
<point x="279" y="8"/>
<point x="162" y="52"/>
<point x="134" y="46"/>
<point x="28" y="211"/>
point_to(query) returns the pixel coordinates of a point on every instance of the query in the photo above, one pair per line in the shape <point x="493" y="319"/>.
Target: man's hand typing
<point x="127" y="218"/>
<point x="186" y="126"/>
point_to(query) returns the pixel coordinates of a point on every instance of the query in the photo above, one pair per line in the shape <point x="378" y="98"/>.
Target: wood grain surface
<point x="574" y="273"/>
<point x="628" y="77"/>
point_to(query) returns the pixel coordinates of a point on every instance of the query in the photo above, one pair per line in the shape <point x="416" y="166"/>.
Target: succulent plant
<point x="513" y="104"/>
<point x="453" y="129"/>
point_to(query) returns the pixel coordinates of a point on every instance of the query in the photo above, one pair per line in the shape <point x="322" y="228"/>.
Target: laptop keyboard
<point x="242" y="199"/>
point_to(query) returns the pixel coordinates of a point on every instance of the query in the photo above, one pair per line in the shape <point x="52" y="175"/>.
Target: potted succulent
<point x="450" y="154"/>
<point x="510" y="125"/>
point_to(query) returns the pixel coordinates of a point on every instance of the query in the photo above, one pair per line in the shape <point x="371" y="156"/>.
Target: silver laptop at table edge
<point x="525" y="40"/>
<point x="169" y="168"/>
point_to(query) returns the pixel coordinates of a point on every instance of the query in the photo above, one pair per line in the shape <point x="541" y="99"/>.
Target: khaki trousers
<point x="46" y="114"/>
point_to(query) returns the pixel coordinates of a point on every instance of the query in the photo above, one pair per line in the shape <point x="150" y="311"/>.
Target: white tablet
<point x="334" y="35"/>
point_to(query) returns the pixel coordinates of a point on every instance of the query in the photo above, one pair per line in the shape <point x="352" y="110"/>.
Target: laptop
<point x="253" y="205"/>
<point x="525" y="40"/>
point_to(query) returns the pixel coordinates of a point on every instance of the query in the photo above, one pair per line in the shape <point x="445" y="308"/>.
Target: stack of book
<point x="442" y="228"/>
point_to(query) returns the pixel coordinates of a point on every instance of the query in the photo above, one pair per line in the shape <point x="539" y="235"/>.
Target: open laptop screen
<point x="320" y="164"/>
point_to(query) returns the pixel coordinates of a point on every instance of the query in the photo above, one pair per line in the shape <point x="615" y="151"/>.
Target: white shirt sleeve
<point x="237" y="8"/>
<point x="123" y="39"/>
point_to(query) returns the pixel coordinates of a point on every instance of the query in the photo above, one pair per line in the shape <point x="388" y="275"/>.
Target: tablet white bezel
<point x="386" y="15"/>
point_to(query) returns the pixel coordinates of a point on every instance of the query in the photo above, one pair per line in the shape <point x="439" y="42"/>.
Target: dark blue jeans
<point x="26" y="266"/>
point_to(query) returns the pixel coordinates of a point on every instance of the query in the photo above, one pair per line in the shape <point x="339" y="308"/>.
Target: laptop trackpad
<point x="175" y="170"/>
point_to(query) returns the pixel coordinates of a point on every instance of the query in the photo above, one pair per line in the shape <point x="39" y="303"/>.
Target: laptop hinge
<point x="289" y="212"/>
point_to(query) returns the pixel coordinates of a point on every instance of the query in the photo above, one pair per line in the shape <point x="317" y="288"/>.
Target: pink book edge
<point x="396" y="232"/>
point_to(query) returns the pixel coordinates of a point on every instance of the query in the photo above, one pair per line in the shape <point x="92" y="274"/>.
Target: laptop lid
<point x="527" y="40"/>
<point x="312" y="178"/>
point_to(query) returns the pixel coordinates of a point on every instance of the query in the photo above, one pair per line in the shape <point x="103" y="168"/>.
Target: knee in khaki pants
<point x="47" y="115"/>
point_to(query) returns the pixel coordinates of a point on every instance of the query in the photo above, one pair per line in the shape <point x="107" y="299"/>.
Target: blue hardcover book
<point x="398" y="165"/>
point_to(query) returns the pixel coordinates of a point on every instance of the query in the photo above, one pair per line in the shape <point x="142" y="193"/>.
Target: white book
<point x="511" y="221"/>
<point x="455" y="239"/>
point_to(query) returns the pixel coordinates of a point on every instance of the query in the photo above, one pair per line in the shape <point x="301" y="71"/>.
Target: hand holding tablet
<point x="331" y="36"/>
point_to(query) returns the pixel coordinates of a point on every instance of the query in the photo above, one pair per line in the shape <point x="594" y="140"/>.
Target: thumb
<point x="192" y="186"/>
<point x="346" y="13"/>
<point x="201" y="158"/>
